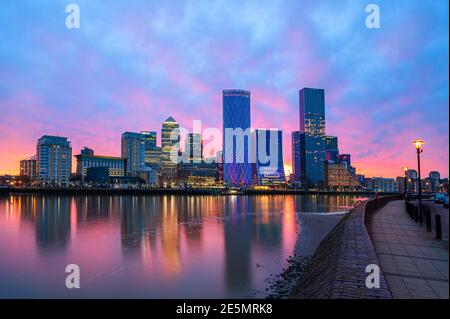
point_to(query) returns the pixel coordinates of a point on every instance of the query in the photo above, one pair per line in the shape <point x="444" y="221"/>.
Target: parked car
<point x="439" y="198"/>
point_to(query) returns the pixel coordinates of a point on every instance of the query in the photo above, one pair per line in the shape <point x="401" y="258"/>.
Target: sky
<point x="131" y="64"/>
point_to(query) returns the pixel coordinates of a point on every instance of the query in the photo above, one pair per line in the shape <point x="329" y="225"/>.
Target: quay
<point x="412" y="262"/>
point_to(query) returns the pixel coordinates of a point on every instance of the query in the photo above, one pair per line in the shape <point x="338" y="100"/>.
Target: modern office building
<point x="435" y="175"/>
<point x="54" y="160"/>
<point x="296" y="153"/>
<point x="153" y="157"/>
<point x="149" y="138"/>
<point x="199" y="174"/>
<point x="133" y="150"/>
<point x="332" y="149"/>
<point x="86" y="159"/>
<point x="269" y="157"/>
<point x="170" y="148"/>
<point x="28" y="167"/>
<point x="338" y="178"/>
<point x="411" y="173"/>
<point x="382" y="184"/>
<point x="312" y="137"/>
<point x="236" y="138"/>
<point x="194" y="147"/>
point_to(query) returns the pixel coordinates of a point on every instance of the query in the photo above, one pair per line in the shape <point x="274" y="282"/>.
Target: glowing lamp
<point x="418" y="143"/>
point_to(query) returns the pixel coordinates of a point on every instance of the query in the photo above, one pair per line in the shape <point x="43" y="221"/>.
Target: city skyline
<point x="113" y="75"/>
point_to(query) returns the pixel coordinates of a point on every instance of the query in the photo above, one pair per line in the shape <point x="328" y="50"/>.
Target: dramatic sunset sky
<point x="133" y="63"/>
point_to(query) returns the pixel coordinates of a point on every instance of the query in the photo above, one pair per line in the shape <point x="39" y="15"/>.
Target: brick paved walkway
<point x="414" y="262"/>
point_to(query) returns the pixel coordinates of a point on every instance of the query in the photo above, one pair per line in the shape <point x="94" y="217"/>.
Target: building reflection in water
<point x="174" y="236"/>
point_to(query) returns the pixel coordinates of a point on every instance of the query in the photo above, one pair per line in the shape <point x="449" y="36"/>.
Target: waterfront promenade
<point x="414" y="263"/>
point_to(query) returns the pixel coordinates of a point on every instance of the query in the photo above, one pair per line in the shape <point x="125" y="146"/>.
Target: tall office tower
<point x="133" y="150"/>
<point x="28" y="167"/>
<point x="332" y="150"/>
<point x="54" y="160"/>
<point x="152" y="156"/>
<point x="194" y="147"/>
<point x="312" y="137"/>
<point x="149" y="139"/>
<point x="269" y="157"/>
<point x="236" y="138"/>
<point x="296" y="149"/>
<point x="170" y="147"/>
<point x="170" y="138"/>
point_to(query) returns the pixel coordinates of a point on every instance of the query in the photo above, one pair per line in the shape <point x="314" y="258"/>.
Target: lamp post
<point x="405" y="169"/>
<point x="418" y="144"/>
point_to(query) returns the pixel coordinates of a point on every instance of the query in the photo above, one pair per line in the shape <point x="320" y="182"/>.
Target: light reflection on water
<point x="150" y="246"/>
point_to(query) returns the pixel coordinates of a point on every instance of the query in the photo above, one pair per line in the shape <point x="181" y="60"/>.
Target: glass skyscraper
<point x="149" y="138"/>
<point x="269" y="152"/>
<point x="237" y="171"/>
<point x="312" y="137"/>
<point x="170" y="147"/>
<point x="194" y="147"/>
<point x="295" y="140"/>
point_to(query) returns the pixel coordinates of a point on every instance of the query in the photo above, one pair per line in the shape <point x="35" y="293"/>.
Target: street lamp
<point x="418" y="144"/>
<point x="405" y="169"/>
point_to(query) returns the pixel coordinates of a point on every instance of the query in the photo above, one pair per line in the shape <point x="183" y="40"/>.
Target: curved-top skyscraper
<point x="237" y="170"/>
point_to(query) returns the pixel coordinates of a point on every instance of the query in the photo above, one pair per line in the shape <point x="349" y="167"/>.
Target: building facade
<point x="28" y="167"/>
<point x="194" y="147"/>
<point x="236" y="138"/>
<point x="86" y="159"/>
<point x="133" y="150"/>
<point x="170" y="148"/>
<point x="269" y="157"/>
<point x="149" y="138"/>
<point x="54" y="160"/>
<point x="312" y="137"/>
<point x="332" y="149"/>
<point x="295" y="147"/>
<point x="338" y="178"/>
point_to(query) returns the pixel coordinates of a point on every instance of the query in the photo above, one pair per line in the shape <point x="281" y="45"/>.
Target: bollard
<point x="428" y="219"/>
<point x="438" y="227"/>
<point x="416" y="214"/>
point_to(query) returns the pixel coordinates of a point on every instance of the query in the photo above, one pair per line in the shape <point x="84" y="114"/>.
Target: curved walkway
<point x="414" y="263"/>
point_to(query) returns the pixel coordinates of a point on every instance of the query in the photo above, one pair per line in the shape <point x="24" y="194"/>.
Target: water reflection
<point x="155" y="246"/>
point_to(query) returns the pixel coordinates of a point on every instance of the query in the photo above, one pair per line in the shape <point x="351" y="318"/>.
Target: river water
<point x="155" y="246"/>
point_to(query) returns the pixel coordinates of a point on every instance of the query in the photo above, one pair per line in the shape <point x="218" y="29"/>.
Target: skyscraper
<point x="236" y="138"/>
<point x="312" y="137"/>
<point x="194" y="147"/>
<point x="149" y="138"/>
<point x="295" y="140"/>
<point x="332" y="150"/>
<point x="269" y="160"/>
<point x="54" y="160"/>
<point x="170" y="146"/>
<point x="133" y="150"/>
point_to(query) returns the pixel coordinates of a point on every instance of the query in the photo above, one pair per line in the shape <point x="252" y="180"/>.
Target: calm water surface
<point x="151" y="246"/>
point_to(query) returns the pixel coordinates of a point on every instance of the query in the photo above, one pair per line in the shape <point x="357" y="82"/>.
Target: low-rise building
<point x="86" y="159"/>
<point x="338" y="178"/>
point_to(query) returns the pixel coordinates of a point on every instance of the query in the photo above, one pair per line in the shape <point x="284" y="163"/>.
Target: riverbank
<point x="314" y="227"/>
<point x="338" y="267"/>
<point x="165" y="191"/>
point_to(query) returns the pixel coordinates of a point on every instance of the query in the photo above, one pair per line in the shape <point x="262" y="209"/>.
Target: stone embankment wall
<point x="338" y="267"/>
